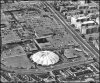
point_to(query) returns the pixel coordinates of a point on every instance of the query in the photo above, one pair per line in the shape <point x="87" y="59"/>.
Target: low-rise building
<point x="76" y="20"/>
<point x="97" y="20"/>
<point x="36" y="78"/>
<point x="83" y="6"/>
<point x="85" y="27"/>
<point x="69" y="54"/>
<point x="91" y="11"/>
<point x="77" y="74"/>
<point x="92" y="32"/>
<point x="91" y="25"/>
<point x="6" y="76"/>
<point x="3" y="79"/>
<point x="96" y="43"/>
<point x="21" y="77"/>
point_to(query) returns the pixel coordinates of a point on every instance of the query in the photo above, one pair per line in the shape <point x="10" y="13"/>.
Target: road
<point x="76" y="36"/>
<point x="64" y="65"/>
<point x="70" y="64"/>
<point x="44" y="69"/>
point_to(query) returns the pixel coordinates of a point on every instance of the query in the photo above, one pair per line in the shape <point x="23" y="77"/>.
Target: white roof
<point x="45" y="58"/>
<point x="87" y="22"/>
<point x="82" y="17"/>
<point x="97" y="20"/>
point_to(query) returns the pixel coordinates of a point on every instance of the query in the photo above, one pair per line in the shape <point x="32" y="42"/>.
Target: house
<point x="91" y="32"/>
<point x="77" y="20"/>
<point x="82" y="23"/>
<point x="89" y="26"/>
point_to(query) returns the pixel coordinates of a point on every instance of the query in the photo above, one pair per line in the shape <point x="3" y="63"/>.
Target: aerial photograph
<point x="49" y="41"/>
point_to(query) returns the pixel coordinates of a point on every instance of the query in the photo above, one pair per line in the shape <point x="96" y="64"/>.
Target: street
<point x="76" y="36"/>
<point x="44" y="69"/>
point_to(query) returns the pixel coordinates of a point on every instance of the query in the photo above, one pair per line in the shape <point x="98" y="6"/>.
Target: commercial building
<point x="77" y="20"/>
<point x="45" y="58"/>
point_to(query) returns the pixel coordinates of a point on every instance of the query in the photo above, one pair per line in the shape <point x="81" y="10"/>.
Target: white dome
<point x="45" y="58"/>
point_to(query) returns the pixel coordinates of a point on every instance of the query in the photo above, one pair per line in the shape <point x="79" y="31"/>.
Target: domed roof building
<point x="45" y="58"/>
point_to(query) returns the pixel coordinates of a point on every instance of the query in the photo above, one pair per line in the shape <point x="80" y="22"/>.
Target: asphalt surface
<point x="64" y="65"/>
<point x="76" y="36"/>
<point x="44" y="70"/>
